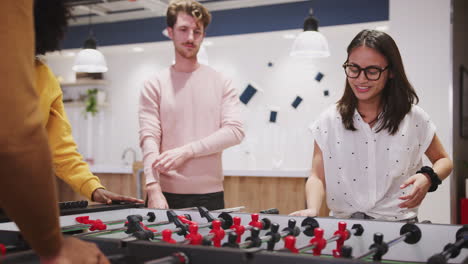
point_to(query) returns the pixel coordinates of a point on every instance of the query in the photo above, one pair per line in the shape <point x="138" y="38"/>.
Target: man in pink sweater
<point x="189" y="113"/>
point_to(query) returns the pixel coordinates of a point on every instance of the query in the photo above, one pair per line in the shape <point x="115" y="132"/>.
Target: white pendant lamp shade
<point x="90" y="60"/>
<point x="310" y="44"/>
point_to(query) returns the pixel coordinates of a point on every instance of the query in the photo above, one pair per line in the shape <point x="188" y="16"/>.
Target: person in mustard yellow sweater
<point x="27" y="184"/>
<point x="67" y="162"/>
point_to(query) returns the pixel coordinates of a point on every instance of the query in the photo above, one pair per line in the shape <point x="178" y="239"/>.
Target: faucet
<point x="139" y="190"/>
<point x="124" y="154"/>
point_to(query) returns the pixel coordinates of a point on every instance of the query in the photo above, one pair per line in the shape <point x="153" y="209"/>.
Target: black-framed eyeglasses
<point x="372" y="73"/>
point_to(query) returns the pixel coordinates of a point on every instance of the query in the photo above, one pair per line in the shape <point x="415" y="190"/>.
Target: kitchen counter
<point x="112" y="168"/>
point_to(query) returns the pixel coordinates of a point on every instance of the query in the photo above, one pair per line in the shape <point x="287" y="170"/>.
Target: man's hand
<point x="306" y="212"/>
<point x="104" y="196"/>
<point x="156" y="198"/>
<point x="421" y="185"/>
<point x="172" y="159"/>
<point x="74" y="251"/>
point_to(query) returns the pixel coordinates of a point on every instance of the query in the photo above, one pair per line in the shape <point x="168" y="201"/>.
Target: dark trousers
<point x="212" y="201"/>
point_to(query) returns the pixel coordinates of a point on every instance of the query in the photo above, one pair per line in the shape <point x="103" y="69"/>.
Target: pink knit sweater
<point x="201" y="109"/>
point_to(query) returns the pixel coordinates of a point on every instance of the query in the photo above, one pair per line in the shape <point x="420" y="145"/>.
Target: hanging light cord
<point x="90" y="42"/>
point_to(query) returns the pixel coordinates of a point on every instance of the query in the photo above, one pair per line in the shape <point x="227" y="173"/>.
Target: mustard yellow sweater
<point x="68" y="163"/>
<point x="27" y="184"/>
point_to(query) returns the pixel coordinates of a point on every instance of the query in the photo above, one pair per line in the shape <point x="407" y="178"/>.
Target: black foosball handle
<point x="73" y="204"/>
<point x="270" y="211"/>
<point x="254" y="238"/>
<point x="172" y="217"/>
<point x="452" y="250"/>
<point x="224" y="217"/>
<point x="231" y="241"/>
<point x="347" y="252"/>
<point x="275" y="237"/>
<point x="437" y="259"/>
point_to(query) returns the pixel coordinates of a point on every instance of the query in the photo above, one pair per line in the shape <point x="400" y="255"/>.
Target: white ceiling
<point x="105" y="11"/>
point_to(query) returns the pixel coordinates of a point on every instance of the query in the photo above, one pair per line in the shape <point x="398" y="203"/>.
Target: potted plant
<point x="91" y="102"/>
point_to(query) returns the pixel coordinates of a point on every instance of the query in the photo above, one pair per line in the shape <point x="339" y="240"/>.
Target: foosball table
<point x="139" y="235"/>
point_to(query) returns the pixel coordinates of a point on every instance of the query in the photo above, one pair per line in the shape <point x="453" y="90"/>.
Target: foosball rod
<point x="307" y="227"/>
<point x="231" y="225"/>
<point x="264" y="224"/>
<point x="217" y="233"/>
<point x="356" y="230"/>
<point x="410" y="233"/>
<point x="225" y="210"/>
<point x="182" y="225"/>
<point x="452" y="250"/>
<point x="5" y="248"/>
<point x="274" y="236"/>
<point x="120" y="229"/>
<point x="151" y="217"/>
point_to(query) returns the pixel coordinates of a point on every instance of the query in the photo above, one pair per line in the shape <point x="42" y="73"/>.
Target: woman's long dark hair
<point x="50" y="24"/>
<point x="398" y="94"/>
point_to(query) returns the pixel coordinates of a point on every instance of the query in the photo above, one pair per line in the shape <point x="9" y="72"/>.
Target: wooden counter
<point x="260" y="193"/>
<point x="118" y="183"/>
<point x="287" y="193"/>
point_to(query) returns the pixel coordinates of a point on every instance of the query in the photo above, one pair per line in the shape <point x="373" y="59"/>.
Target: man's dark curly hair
<point x="50" y="24"/>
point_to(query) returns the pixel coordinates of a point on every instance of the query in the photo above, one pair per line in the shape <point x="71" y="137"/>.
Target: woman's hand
<point x="306" y="212"/>
<point x="421" y="184"/>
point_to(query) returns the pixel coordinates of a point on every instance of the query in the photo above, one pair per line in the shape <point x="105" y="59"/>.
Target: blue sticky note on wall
<point x="273" y="115"/>
<point x="247" y="94"/>
<point x="319" y="76"/>
<point x="297" y="102"/>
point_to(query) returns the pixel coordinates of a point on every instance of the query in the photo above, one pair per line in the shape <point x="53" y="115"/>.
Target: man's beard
<point x="187" y="54"/>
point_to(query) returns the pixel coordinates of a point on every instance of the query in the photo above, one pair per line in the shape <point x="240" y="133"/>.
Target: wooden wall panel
<point x="255" y="193"/>
<point x="118" y="183"/>
<point x="259" y="193"/>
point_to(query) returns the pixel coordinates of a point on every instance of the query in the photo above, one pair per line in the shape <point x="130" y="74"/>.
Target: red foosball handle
<point x="2" y="250"/>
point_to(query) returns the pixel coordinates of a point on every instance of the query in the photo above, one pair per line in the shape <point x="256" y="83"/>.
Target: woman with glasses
<point x="368" y="147"/>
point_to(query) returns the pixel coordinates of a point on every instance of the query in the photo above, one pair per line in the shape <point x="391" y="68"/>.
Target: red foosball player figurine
<point x="290" y="244"/>
<point x="319" y="242"/>
<point x="344" y="235"/>
<point x="94" y="224"/>
<point x="148" y="228"/>
<point x="194" y="237"/>
<point x="2" y="250"/>
<point x="184" y="220"/>
<point x="167" y="236"/>
<point x="255" y="222"/>
<point x="218" y="233"/>
<point x="239" y="229"/>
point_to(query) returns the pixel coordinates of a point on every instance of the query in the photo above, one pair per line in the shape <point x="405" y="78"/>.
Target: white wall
<point x="285" y="145"/>
<point x="421" y="29"/>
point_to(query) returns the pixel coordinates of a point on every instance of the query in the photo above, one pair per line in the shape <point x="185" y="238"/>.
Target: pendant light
<point x="310" y="43"/>
<point x="89" y="59"/>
